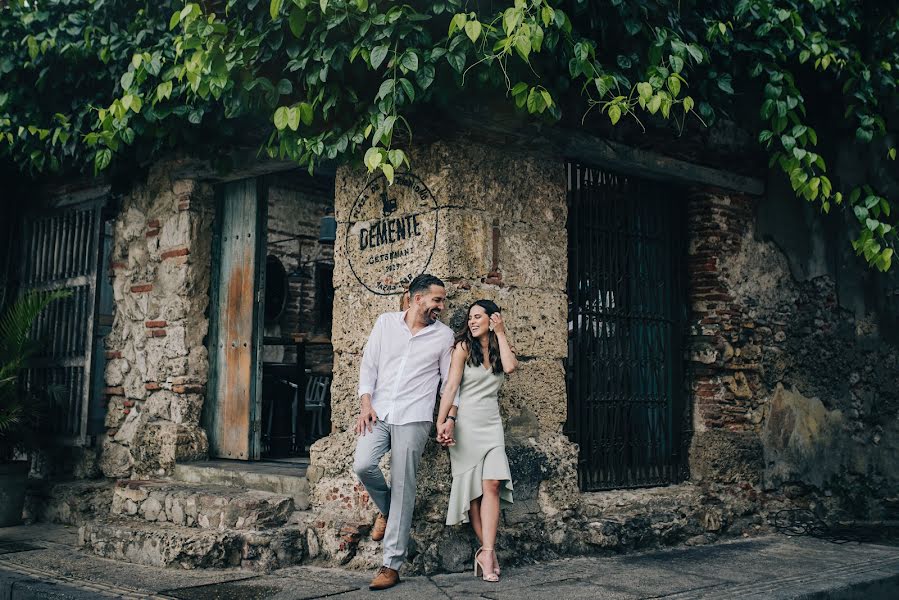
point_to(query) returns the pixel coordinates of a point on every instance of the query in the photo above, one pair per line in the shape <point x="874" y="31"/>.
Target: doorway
<point x="269" y="339"/>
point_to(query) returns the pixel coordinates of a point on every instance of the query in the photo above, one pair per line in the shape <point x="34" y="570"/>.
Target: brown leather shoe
<point x="380" y="526"/>
<point x="386" y="578"/>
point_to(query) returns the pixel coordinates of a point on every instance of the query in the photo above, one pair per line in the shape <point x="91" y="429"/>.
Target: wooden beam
<point x="618" y="157"/>
<point x="590" y="149"/>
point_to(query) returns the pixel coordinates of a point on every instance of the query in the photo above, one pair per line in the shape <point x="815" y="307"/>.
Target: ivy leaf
<point x="425" y="77"/>
<point x="293" y="117"/>
<point x="645" y="91"/>
<point x="176" y="18"/>
<point x="457" y="22"/>
<point x="674" y="85"/>
<point x="547" y="98"/>
<point x="695" y="51"/>
<point x="372" y="158"/>
<point x="127" y="80"/>
<point x="163" y="90"/>
<point x="892" y="154"/>
<point x="724" y="83"/>
<point x="281" y="117"/>
<point x="473" y="30"/>
<point x="378" y="55"/>
<point x="388" y="172"/>
<point x="688" y="104"/>
<point x="306" y="113"/>
<point x="274" y="8"/>
<point x="297" y="21"/>
<point x="407" y="88"/>
<point x="614" y="113"/>
<point x="523" y="47"/>
<point x="409" y="61"/>
<point x="396" y="157"/>
<point x="547" y="15"/>
<point x="886" y="258"/>
<point x="102" y="159"/>
<point x="386" y="88"/>
<point x="535" y="102"/>
<point x="456" y="60"/>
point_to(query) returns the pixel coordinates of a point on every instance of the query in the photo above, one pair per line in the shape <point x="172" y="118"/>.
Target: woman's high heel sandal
<point x="492" y="576"/>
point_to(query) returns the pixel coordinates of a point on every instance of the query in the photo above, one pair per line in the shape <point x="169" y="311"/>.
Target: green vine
<point x="89" y="82"/>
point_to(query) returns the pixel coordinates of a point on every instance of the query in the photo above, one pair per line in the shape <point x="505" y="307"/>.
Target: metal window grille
<point x="626" y="407"/>
<point x="61" y="251"/>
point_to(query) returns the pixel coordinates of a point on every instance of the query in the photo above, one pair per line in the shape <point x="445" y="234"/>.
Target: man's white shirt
<point x="401" y="371"/>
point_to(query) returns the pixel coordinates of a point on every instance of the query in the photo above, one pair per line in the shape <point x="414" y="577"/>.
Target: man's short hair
<point x="422" y="284"/>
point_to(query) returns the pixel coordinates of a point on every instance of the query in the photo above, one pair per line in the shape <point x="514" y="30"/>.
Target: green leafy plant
<point x="20" y="408"/>
<point x="89" y="81"/>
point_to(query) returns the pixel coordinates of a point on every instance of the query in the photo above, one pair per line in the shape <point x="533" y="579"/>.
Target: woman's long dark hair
<point x="475" y="352"/>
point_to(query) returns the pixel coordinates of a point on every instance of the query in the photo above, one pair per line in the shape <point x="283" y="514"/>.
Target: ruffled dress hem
<point x="468" y="484"/>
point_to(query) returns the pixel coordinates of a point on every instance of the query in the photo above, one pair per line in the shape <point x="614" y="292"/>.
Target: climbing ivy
<point x="87" y="81"/>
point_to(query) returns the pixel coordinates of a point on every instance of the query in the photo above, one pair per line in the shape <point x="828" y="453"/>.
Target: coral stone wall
<point x="794" y="393"/>
<point x="157" y="361"/>
<point x="500" y="235"/>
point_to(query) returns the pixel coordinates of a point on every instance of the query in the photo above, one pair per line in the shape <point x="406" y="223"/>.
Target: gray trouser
<point x="406" y="442"/>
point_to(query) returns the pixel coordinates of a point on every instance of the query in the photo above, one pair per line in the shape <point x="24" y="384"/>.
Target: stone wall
<point x="794" y="394"/>
<point x="500" y="222"/>
<point x="156" y="355"/>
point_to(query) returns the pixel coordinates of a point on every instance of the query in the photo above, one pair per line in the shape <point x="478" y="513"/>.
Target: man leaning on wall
<point x="405" y="358"/>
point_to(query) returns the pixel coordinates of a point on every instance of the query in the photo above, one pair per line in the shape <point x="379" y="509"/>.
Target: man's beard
<point x="431" y="316"/>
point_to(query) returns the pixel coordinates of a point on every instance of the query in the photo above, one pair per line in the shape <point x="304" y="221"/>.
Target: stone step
<point x="279" y="478"/>
<point x="165" y="544"/>
<point x="201" y="506"/>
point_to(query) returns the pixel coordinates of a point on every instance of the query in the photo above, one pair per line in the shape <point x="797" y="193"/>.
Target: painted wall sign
<point x="392" y="233"/>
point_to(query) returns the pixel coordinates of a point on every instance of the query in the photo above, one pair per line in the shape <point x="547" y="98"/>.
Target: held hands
<point x="366" y="419"/>
<point x="445" y="433"/>
<point x="496" y="324"/>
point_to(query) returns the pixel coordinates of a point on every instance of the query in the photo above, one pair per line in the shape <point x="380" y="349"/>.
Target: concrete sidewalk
<point x="40" y="561"/>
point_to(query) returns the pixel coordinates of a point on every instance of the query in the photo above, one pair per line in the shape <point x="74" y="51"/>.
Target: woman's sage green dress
<point x="480" y="450"/>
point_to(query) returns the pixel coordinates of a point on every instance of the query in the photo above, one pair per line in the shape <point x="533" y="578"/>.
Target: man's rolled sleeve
<point x="368" y="370"/>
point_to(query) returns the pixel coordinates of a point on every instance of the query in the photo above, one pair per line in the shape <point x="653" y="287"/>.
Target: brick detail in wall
<point x="182" y="251"/>
<point x="141" y="288"/>
<point x="723" y="379"/>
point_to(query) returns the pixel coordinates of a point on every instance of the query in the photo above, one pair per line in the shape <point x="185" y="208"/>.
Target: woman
<point x="470" y="425"/>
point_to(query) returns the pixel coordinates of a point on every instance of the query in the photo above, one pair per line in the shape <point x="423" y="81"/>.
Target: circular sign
<point x="391" y="233"/>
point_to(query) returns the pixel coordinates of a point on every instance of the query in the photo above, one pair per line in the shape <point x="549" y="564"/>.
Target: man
<point x="407" y="355"/>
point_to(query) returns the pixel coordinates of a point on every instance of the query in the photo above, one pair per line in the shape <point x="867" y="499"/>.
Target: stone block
<point x="721" y="456"/>
<point x="115" y="459"/>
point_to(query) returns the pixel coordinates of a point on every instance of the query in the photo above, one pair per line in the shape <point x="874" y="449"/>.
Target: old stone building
<point x="697" y="350"/>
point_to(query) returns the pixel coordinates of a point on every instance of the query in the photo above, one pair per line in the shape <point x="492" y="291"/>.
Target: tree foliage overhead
<point x="85" y="81"/>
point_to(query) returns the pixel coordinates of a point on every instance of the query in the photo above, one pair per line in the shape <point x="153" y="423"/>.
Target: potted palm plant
<point x="19" y="407"/>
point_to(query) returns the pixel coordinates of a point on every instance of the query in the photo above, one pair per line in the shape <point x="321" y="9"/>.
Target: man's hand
<point x="445" y="433"/>
<point x="367" y="416"/>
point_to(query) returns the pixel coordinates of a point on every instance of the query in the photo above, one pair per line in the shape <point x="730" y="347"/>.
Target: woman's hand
<point x="497" y="324"/>
<point x="445" y="433"/>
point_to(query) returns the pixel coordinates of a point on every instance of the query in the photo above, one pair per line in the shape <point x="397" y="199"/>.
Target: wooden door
<point x="232" y="415"/>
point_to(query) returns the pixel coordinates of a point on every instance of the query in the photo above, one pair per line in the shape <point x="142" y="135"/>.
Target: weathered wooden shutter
<point x="232" y="409"/>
